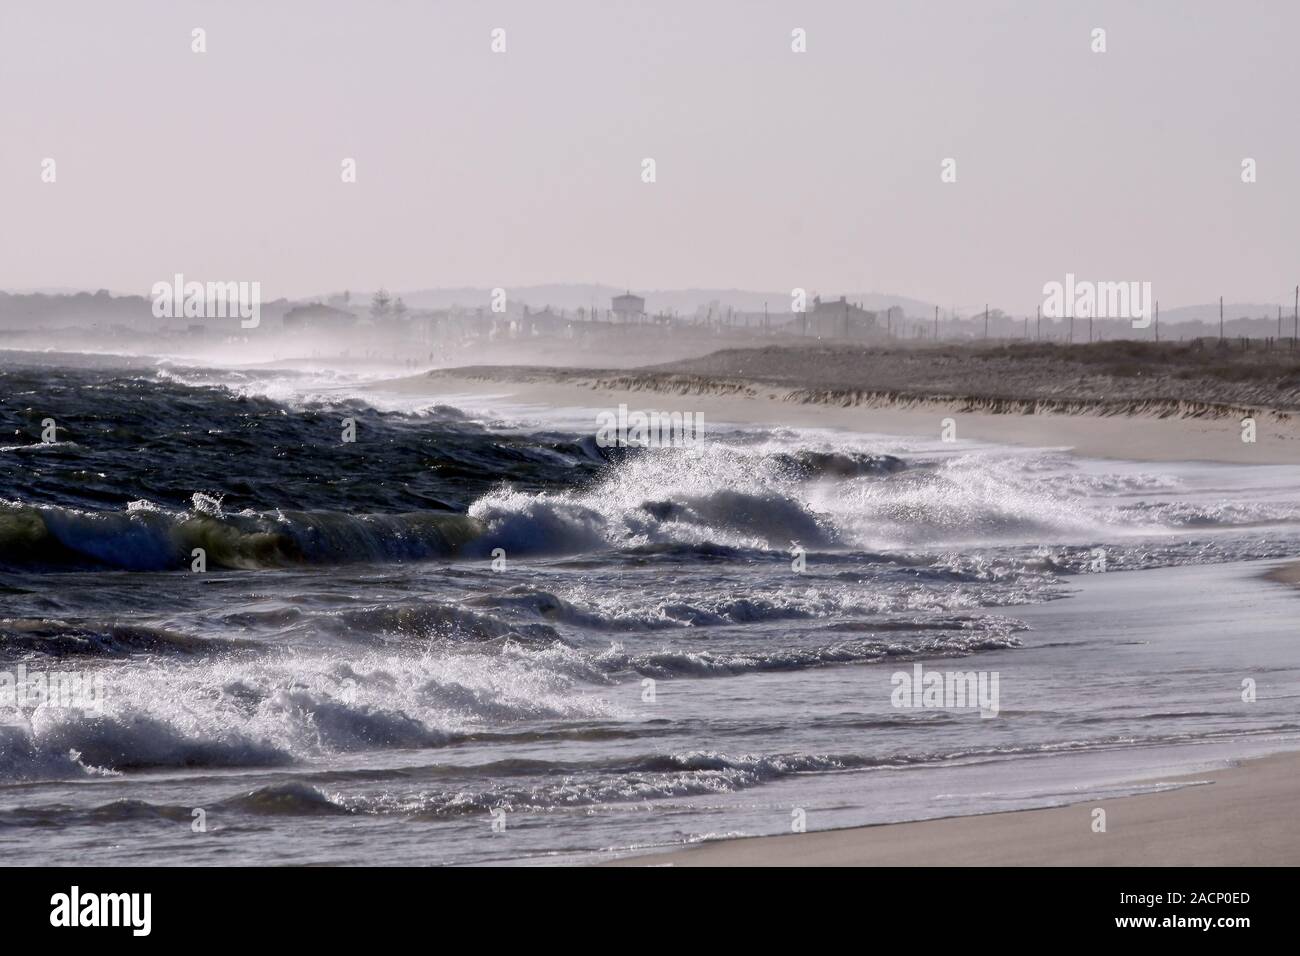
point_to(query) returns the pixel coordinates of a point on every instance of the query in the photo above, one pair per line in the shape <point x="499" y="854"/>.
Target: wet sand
<point x="1240" y="816"/>
<point x="1286" y="574"/>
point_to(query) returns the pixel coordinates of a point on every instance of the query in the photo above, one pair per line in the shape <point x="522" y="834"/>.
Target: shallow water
<point x="353" y="679"/>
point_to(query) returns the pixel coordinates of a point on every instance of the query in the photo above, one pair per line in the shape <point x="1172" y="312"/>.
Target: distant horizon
<point x="780" y="302"/>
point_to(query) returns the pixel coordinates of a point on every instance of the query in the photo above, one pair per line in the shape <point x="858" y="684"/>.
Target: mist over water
<point x="353" y="664"/>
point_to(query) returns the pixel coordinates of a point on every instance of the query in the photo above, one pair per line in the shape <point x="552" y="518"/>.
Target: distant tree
<point x="399" y="308"/>
<point x="379" y="304"/>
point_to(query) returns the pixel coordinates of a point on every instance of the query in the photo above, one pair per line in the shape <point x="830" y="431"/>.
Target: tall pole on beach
<point x="1220" y="318"/>
<point x="986" y="320"/>
<point x="936" y="323"/>
<point x="1038" y="316"/>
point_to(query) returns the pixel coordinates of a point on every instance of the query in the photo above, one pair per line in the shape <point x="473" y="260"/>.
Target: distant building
<point x="546" y="322"/>
<point x="629" y="308"/>
<point x="318" y="318"/>
<point x="839" y="320"/>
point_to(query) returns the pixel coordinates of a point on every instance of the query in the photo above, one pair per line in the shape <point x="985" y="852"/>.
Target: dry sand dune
<point x="1173" y="402"/>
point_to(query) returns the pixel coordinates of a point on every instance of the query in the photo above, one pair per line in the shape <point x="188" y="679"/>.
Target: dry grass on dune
<point x="1104" y="371"/>
<point x="1118" y="377"/>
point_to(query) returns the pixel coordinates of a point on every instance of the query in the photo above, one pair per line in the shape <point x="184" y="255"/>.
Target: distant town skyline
<point x="580" y="301"/>
<point x="773" y="169"/>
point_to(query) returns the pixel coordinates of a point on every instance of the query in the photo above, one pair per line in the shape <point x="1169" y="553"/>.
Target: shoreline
<point x="1240" y="815"/>
<point x="1285" y="574"/>
<point x="1142" y="431"/>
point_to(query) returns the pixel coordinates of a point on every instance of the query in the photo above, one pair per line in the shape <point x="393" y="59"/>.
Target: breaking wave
<point x="145" y="537"/>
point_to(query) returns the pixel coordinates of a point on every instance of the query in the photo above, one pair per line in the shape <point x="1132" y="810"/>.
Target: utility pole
<point x="1026" y="328"/>
<point x="1089" y="329"/>
<point x="1157" y="320"/>
<point x="936" y="323"/>
<point x="1220" y="319"/>
<point x="1038" y="313"/>
<point x="986" y="320"/>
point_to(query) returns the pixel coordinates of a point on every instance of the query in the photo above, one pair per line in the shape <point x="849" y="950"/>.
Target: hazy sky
<point x="774" y="169"/>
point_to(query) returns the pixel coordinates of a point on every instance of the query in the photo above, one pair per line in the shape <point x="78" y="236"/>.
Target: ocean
<point x="473" y="634"/>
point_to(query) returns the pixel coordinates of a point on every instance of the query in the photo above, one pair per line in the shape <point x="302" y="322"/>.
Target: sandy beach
<point x="1239" y="816"/>
<point x="1156" y="432"/>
